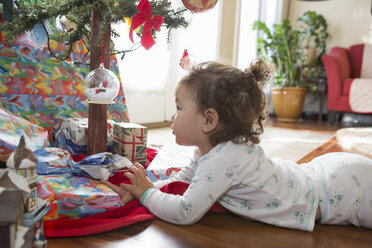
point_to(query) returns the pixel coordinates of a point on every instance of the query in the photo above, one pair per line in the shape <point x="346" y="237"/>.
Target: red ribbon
<point x="151" y="22"/>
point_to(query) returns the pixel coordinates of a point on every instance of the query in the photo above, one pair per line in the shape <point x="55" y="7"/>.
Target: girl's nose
<point x="172" y="118"/>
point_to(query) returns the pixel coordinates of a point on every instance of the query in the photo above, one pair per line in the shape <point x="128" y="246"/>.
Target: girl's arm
<point x="214" y="177"/>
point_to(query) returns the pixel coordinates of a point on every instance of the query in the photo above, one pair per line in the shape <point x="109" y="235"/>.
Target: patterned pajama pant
<point x="346" y="189"/>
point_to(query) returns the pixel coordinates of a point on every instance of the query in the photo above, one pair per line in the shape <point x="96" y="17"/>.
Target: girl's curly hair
<point x="237" y="96"/>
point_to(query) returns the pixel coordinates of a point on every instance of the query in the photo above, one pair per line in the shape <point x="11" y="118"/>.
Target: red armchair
<point x="342" y="66"/>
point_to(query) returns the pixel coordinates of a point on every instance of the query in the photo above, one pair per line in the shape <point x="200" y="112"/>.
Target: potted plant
<point x="281" y="47"/>
<point x="313" y="37"/>
<point x="296" y="55"/>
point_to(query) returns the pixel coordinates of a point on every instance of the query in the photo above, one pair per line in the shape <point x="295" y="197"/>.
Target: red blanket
<point x="123" y="216"/>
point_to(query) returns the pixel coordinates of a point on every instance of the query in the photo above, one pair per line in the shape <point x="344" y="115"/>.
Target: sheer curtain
<point x="149" y="77"/>
<point x="268" y="11"/>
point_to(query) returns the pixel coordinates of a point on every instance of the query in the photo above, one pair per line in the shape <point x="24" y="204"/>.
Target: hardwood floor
<point x="303" y="124"/>
<point x="220" y="230"/>
<point x="227" y="230"/>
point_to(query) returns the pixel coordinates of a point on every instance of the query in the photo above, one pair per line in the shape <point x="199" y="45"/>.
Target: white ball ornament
<point x="64" y="25"/>
<point x="102" y="86"/>
<point x="198" y="6"/>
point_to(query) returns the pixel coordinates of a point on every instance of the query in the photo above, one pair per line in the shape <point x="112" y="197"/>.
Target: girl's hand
<point x="124" y="194"/>
<point x="138" y="179"/>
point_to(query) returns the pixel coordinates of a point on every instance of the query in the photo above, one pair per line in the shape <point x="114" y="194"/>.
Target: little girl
<point x="220" y="110"/>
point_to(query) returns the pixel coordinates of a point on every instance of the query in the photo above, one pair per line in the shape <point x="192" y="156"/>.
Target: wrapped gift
<point x="71" y="197"/>
<point x="12" y="127"/>
<point x="130" y="140"/>
<point x="58" y="161"/>
<point x="72" y="135"/>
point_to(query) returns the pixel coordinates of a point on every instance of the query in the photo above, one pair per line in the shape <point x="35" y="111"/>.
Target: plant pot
<point x="288" y="103"/>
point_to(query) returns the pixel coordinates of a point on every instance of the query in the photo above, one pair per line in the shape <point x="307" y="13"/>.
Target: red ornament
<point x="198" y="6"/>
<point x="185" y="61"/>
<point x="151" y="22"/>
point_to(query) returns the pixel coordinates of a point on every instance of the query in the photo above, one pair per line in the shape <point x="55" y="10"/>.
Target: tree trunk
<point x="97" y="116"/>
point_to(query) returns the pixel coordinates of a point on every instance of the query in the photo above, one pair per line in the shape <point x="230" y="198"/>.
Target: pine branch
<point x="79" y="12"/>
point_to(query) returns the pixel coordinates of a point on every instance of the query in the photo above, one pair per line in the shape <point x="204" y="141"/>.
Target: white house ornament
<point x="198" y="6"/>
<point x="23" y="162"/>
<point x="102" y="86"/>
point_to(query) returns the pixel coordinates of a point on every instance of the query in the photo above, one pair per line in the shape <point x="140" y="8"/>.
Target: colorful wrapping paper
<point x="71" y="197"/>
<point x="130" y="141"/>
<point x="72" y="135"/>
<point x="12" y="127"/>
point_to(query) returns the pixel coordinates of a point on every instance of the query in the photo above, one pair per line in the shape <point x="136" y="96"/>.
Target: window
<point x="149" y="77"/>
<point x="269" y="11"/>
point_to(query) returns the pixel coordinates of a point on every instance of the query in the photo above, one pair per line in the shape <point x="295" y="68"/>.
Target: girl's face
<point x="188" y="121"/>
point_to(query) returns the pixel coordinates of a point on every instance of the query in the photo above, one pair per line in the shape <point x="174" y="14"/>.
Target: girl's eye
<point x="178" y="108"/>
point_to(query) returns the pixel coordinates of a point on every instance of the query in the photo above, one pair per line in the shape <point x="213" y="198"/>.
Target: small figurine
<point x="39" y="240"/>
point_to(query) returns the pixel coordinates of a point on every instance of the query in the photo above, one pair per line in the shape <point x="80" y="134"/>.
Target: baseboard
<point x="157" y="124"/>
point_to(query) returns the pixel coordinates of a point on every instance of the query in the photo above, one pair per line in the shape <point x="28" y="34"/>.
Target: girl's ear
<point x="210" y="120"/>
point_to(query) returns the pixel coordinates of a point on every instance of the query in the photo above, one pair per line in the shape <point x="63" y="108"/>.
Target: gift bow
<point x="151" y="22"/>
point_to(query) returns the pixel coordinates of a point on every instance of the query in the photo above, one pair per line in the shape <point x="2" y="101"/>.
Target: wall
<point x="349" y="21"/>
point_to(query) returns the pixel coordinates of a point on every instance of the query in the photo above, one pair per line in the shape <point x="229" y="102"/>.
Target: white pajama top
<point x="246" y="182"/>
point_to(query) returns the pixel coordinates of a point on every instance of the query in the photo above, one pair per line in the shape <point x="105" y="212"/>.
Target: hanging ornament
<point x="102" y="86"/>
<point x="185" y="62"/>
<point x="198" y="6"/>
<point x="64" y="25"/>
<point x="189" y="60"/>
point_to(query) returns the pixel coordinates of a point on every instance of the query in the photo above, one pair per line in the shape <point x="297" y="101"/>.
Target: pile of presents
<point x="59" y="180"/>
